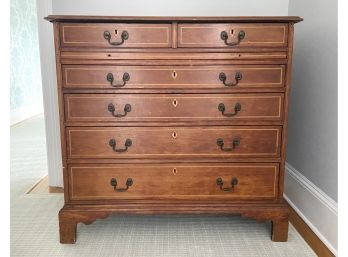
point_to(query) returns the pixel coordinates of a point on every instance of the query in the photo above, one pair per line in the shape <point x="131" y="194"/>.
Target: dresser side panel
<point x="286" y="110"/>
<point x="56" y="27"/>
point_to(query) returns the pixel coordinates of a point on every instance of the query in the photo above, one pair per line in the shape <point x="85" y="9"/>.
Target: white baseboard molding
<point x="25" y="112"/>
<point x="315" y="207"/>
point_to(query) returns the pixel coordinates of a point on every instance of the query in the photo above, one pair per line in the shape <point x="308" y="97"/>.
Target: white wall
<point x="171" y="8"/>
<point x="312" y="146"/>
<point x="311" y="179"/>
<point x="50" y="94"/>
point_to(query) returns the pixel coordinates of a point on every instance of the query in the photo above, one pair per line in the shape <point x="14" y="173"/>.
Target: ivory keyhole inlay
<point x="174" y="74"/>
<point x="175" y="171"/>
<point x="174" y="134"/>
<point x="232" y="32"/>
<point x="175" y="103"/>
<point x="116" y="32"/>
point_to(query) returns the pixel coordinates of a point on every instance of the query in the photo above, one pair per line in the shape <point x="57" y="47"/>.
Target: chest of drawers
<point x="163" y="115"/>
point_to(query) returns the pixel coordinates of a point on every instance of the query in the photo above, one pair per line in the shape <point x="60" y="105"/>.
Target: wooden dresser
<point x="163" y="115"/>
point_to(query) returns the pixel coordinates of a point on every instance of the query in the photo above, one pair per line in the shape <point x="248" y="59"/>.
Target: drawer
<point x="232" y="35"/>
<point x="172" y="107"/>
<point x="173" y="142"/>
<point x="115" y="35"/>
<point x="175" y="77"/>
<point x="202" y="181"/>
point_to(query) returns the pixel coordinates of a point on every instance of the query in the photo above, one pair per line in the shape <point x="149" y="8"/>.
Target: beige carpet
<point x="34" y="223"/>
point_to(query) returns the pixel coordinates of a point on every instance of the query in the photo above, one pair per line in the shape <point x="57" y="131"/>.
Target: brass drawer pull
<point x="127" y="144"/>
<point x="237" y="108"/>
<point x="113" y="183"/>
<point x="125" y="78"/>
<point x="220" y="183"/>
<point x="237" y="77"/>
<point x="224" y="37"/>
<point x="127" y="109"/>
<point x="235" y="143"/>
<point x="124" y="36"/>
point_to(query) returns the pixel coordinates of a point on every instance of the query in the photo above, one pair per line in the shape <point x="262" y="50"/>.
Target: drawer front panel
<point x="175" y="142"/>
<point x="150" y="107"/>
<point x="236" y="35"/>
<point x="97" y="182"/>
<point x="178" y="77"/>
<point x="116" y="35"/>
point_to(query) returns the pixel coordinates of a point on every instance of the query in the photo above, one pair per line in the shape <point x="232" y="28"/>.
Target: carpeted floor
<point x="34" y="223"/>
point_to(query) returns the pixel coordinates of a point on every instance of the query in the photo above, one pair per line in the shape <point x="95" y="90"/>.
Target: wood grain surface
<point x="148" y="77"/>
<point x="208" y="34"/>
<point x="173" y="107"/>
<point x="173" y="142"/>
<point x="139" y="35"/>
<point x="255" y="181"/>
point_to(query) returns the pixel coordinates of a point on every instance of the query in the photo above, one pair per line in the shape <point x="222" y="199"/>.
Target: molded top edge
<point x="105" y="19"/>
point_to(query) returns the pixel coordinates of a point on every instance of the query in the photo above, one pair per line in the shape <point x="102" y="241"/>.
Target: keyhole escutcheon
<point x="174" y="74"/>
<point x="175" y="103"/>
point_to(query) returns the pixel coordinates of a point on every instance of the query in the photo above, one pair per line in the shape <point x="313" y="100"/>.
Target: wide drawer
<point x="173" y="142"/>
<point x="173" y="107"/>
<point x="173" y="77"/>
<point x="202" y="181"/>
<point x="115" y="35"/>
<point x="231" y="35"/>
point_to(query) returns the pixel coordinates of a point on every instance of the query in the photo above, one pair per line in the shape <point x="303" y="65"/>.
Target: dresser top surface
<point x="79" y="18"/>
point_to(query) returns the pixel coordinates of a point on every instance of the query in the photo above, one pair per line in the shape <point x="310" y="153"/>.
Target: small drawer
<point x="173" y="142"/>
<point x="116" y="35"/>
<point x="161" y="108"/>
<point x="200" y="181"/>
<point x="231" y="35"/>
<point x="175" y="77"/>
